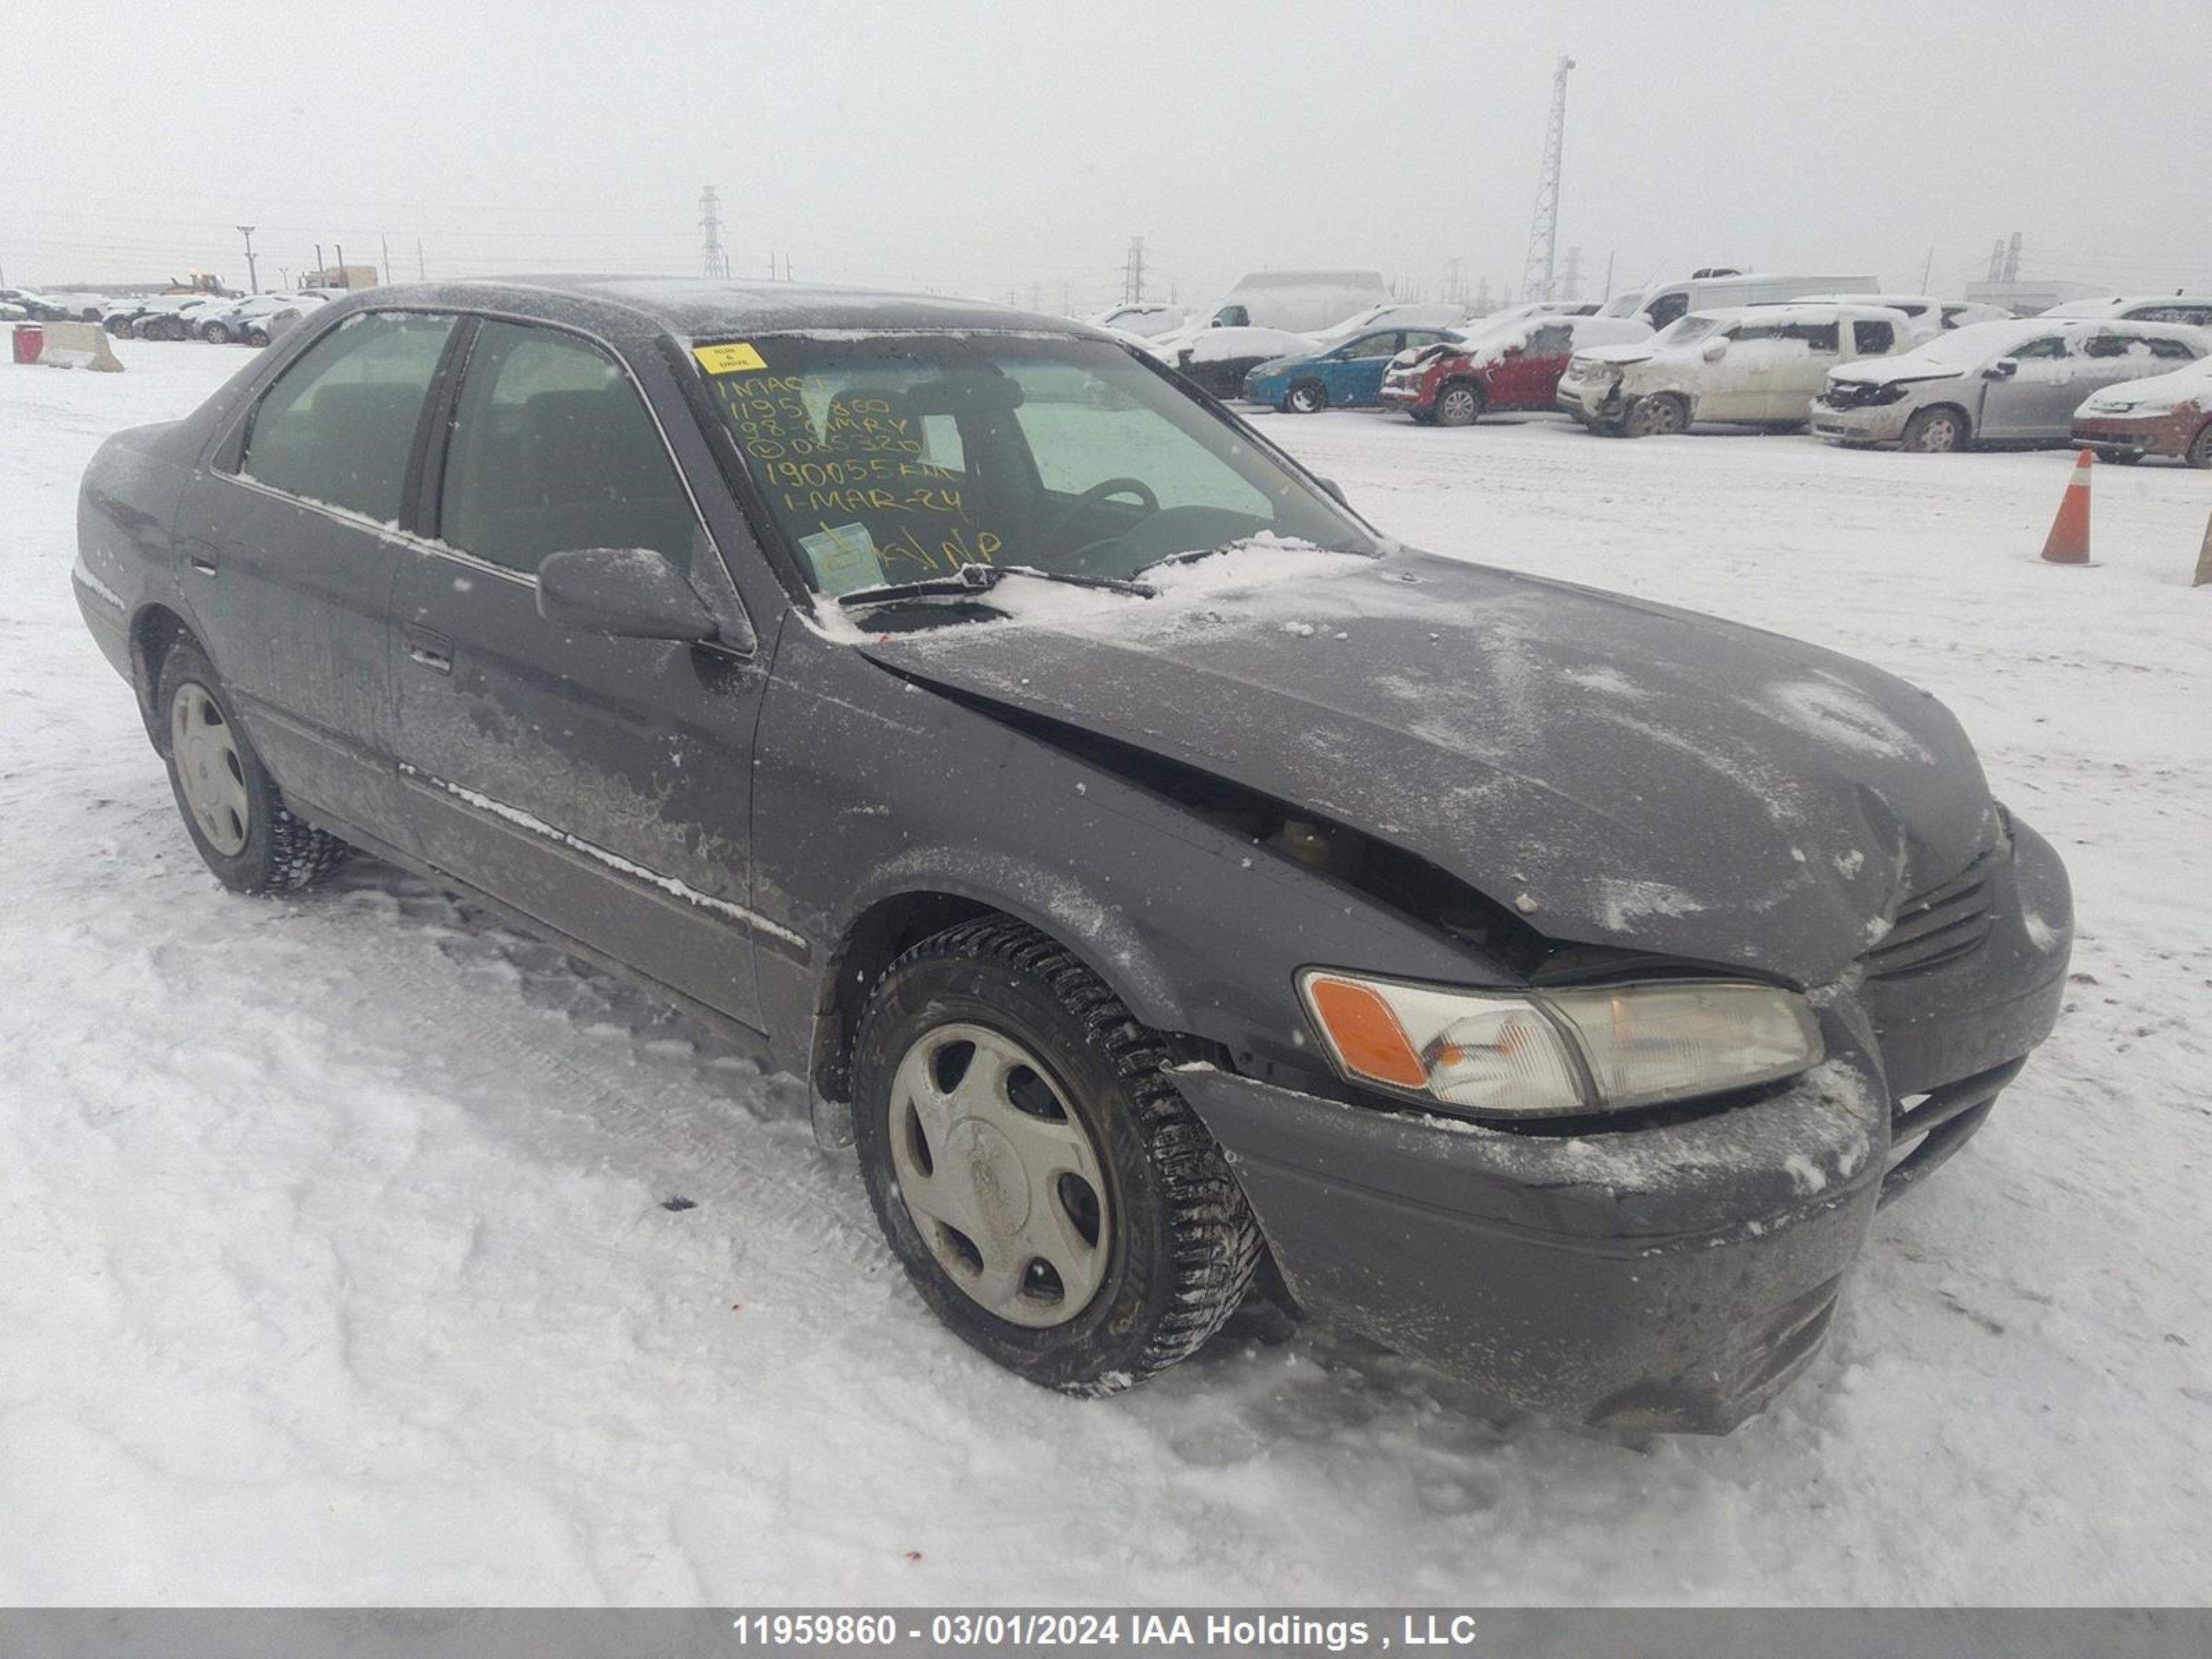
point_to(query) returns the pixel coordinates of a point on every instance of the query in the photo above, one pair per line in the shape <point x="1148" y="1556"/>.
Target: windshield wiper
<point x="970" y="579"/>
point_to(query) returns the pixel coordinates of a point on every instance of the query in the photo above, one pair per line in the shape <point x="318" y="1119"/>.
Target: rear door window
<point x="1552" y="340"/>
<point x="338" y="427"/>
<point x="552" y="450"/>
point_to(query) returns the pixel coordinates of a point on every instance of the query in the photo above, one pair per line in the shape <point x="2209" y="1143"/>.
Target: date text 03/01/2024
<point x="992" y="1630"/>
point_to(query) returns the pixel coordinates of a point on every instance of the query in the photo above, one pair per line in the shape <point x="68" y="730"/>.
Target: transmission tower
<point x="717" y="262"/>
<point x="1996" y="261"/>
<point x="1571" y="282"/>
<point x="1544" y="226"/>
<point x="1132" y="274"/>
<point x="1453" y="290"/>
<point x="2012" y="259"/>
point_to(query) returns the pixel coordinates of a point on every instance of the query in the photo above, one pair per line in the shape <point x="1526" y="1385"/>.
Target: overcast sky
<point x="989" y="148"/>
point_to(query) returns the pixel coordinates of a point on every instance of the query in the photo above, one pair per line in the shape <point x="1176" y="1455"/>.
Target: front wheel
<point x="230" y="804"/>
<point x="214" y="334"/>
<point x="1037" y="1174"/>
<point x="1459" y="404"/>
<point x="1934" y="431"/>
<point x="2200" y="452"/>
<point x="1661" y="414"/>
<point x="1306" y="398"/>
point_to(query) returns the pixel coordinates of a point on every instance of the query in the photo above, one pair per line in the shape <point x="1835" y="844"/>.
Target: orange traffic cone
<point x="2069" y="542"/>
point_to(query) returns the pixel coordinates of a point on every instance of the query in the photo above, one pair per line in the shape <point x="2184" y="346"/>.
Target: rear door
<point x="601" y="785"/>
<point x="291" y="538"/>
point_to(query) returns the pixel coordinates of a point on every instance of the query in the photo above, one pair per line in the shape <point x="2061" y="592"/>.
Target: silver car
<point x="2007" y="383"/>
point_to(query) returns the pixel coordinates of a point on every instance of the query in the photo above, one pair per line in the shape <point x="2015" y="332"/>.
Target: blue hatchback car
<point x="1345" y="376"/>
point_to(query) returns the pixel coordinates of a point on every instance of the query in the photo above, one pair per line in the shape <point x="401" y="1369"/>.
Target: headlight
<point x="1558" y="1053"/>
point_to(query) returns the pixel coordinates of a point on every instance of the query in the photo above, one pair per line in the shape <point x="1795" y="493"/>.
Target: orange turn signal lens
<point x="1365" y="1034"/>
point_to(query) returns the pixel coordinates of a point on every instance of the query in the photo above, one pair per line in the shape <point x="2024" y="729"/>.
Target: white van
<point x="1750" y="365"/>
<point x="1301" y="301"/>
<point x="1665" y="303"/>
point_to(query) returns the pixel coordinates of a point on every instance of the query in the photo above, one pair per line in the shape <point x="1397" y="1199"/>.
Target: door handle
<point x="432" y="649"/>
<point x="200" y="557"/>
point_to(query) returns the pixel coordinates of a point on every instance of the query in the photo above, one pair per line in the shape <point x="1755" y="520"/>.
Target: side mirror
<point x="630" y="593"/>
<point x="1715" y="350"/>
<point x="2003" y="369"/>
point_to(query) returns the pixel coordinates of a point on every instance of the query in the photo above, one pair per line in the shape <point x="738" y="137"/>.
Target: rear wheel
<point x="1048" y="1191"/>
<point x="1661" y="414"/>
<point x="230" y="804"/>
<point x="256" y="337"/>
<point x="1934" y="431"/>
<point x="214" y="334"/>
<point x="1306" y="398"/>
<point x="1460" y="403"/>
<point x="2200" y="452"/>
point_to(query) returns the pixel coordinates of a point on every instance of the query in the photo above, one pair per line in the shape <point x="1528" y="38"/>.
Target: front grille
<point x="1936" y="927"/>
<point x="1928" y="1128"/>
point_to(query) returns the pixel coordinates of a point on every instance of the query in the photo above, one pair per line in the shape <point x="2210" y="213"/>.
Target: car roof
<point x="1805" y="311"/>
<point x="698" y="307"/>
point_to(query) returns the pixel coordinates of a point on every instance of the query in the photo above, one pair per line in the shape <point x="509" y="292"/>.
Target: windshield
<point x="900" y="458"/>
<point x="1686" y="330"/>
<point x="1978" y="343"/>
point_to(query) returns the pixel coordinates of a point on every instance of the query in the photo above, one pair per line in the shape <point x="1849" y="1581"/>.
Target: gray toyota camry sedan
<point x="1164" y="878"/>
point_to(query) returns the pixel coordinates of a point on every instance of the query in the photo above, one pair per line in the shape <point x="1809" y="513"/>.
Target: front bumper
<point x="1665" y="1275"/>
<point x="2170" y="433"/>
<point x="1863" y="423"/>
<point x="1590" y="399"/>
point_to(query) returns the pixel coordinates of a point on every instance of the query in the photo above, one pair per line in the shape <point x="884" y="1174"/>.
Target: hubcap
<point x="1458" y="405"/>
<point x="207" y="768"/>
<point x="1000" y="1175"/>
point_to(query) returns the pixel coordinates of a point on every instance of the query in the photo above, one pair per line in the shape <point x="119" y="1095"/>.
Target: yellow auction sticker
<point x="728" y="359"/>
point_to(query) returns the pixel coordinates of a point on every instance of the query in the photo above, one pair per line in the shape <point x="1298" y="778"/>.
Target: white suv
<point x="1751" y="365"/>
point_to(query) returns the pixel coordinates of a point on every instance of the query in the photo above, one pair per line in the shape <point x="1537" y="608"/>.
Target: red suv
<point x="1516" y="365"/>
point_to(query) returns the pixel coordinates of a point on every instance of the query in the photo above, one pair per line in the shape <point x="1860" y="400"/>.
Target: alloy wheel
<point x="1001" y="1177"/>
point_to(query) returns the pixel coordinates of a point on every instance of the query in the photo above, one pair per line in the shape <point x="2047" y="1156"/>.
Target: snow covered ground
<point x="334" y="1267"/>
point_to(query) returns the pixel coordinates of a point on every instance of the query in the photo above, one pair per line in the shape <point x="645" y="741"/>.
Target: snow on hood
<point x="1221" y="344"/>
<point x="1648" y="778"/>
<point x="1623" y="352"/>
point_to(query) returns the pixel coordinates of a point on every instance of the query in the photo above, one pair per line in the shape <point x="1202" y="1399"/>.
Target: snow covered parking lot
<point x="335" y="1263"/>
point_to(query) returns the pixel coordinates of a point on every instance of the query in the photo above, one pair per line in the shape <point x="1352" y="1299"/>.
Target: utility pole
<point x="421" y="274"/>
<point x="345" y="277"/>
<point x="384" y="247"/>
<point x="1928" y="268"/>
<point x="1537" y="274"/>
<point x="715" y="262"/>
<point x="1611" y="254"/>
<point x="252" y="276"/>
<point x="319" y="266"/>
<point x="1132" y="274"/>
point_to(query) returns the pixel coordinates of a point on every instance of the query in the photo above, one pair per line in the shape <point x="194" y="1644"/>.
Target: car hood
<point x="1884" y="371"/>
<point x="1620" y="773"/>
<point x="1618" y="355"/>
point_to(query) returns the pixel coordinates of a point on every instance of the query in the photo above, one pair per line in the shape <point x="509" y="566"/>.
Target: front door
<point x="1529" y="379"/>
<point x="1353" y="372"/>
<point x="291" y="540"/>
<point x="601" y="785"/>
<point x="2038" y="396"/>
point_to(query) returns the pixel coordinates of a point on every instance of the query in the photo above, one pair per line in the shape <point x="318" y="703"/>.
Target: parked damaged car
<point x="2168" y="415"/>
<point x="1996" y="384"/>
<point x="1510" y="365"/>
<point x="1748" y="365"/>
<point x="1156" y="874"/>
